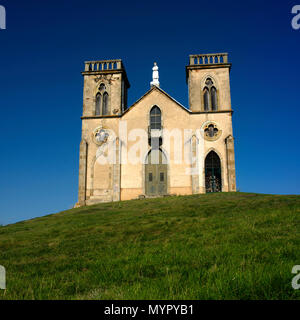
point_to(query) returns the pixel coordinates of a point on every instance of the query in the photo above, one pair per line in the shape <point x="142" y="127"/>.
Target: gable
<point x="155" y="96"/>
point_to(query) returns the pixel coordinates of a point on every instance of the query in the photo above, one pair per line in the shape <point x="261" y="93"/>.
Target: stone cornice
<point x="101" y="117"/>
<point x="88" y="73"/>
<point x="208" y="112"/>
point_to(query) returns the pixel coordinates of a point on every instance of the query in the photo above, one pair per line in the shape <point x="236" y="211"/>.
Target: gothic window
<point x="155" y="118"/>
<point x="210" y="97"/>
<point x="206" y="99"/>
<point x="105" y="104"/>
<point x="101" y="107"/>
<point x="213" y="178"/>
<point x="213" y="93"/>
<point x="211" y="132"/>
<point x="98" y="104"/>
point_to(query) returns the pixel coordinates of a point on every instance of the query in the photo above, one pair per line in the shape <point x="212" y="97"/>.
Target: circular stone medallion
<point x="100" y="136"/>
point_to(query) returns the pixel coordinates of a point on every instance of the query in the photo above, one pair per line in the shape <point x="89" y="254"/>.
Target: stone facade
<point x="197" y="143"/>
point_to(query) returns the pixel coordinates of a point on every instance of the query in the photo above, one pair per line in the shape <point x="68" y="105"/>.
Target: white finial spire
<point x="155" y="76"/>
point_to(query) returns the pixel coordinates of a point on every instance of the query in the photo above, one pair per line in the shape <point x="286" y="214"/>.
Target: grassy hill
<point x="214" y="246"/>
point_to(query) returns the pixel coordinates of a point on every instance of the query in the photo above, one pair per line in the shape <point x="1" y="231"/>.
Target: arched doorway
<point x="213" y="178"/>
<point x="156" y="171"/>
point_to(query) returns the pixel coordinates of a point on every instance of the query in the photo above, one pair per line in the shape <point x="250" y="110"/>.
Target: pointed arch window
<point x="206" y="99"/>
<point x="155" y="118"/>
<point x="213" y="177"/>
<point x="101" y="107"/>
<point x="213" y="94"/>
<point x="210" y="96"/>
<point x="105" y="104"/>
<point x="98" y="104"/>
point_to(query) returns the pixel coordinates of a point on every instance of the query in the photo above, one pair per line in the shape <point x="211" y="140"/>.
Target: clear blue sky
<point x="42" y="54"/>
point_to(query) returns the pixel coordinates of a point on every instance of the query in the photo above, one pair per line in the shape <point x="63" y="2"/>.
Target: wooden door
<point x="156" y="173"/>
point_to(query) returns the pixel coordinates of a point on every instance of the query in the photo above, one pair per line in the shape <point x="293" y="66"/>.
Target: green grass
<point x="214" y="246"/>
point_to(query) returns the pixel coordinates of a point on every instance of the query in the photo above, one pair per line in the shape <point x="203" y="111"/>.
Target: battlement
<point x="103" y="65"/>
<point x="208" y="59"/>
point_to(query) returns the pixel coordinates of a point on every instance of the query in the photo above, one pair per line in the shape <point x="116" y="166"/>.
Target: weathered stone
<point x="117" y="181"/>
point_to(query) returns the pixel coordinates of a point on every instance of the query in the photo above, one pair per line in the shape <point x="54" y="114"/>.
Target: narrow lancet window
<point x="210" y="97"/>
<point x="105" y="104"/>
<point x="155" y="118"/>
<point x="213" y="93"/>
<point x="206" y="99"/>
<point x="98" y="104"/>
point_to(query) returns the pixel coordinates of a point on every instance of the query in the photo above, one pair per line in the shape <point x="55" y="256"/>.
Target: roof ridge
<point x="164" y="92"/>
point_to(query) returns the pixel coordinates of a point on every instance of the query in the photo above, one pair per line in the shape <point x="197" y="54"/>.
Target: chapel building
<point x="157" y="146"/>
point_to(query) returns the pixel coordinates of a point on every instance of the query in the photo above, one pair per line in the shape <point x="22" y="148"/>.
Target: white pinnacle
<point x="155" y="76"/>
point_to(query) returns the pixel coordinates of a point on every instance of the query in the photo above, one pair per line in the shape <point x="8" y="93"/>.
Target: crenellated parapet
<point x="211" y="58"/>
<point x="103" y="65"/>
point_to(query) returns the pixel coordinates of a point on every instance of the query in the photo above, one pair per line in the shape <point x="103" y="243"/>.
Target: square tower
<point x="105" y="88"/>
<point x="208" y="81"/>
<point x="207" y="76"/>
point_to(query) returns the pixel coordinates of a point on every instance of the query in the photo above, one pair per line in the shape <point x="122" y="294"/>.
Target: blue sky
<point x="42" y="53"/>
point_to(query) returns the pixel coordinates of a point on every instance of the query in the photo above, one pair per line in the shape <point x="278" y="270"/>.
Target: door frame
<point x="144" y="170"/>
<point x="221" y="168"/>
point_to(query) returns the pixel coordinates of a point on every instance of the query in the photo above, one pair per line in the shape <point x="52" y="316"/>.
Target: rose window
<point x="211" y="132"/>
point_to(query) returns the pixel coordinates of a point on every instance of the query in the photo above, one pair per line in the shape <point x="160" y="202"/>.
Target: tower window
<point x="155" y="118"/>
<point x="98" y="104"/>
<point x="105" y="104"/>
<point x="213" y="93"/>
<point x="210" y="97"/>
<point x="206" y="99"/>
<point x="101" y="107"/>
